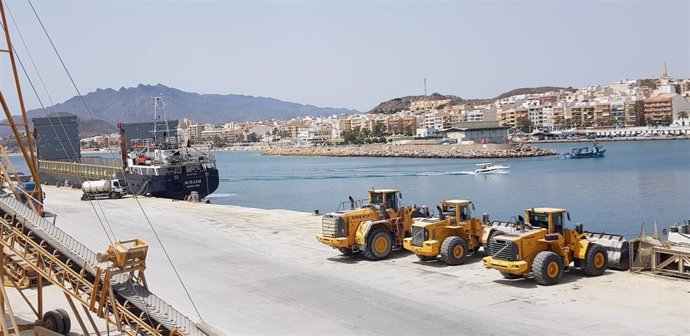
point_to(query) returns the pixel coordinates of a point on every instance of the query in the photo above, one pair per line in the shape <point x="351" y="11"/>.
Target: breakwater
<point x="478" y="151"/>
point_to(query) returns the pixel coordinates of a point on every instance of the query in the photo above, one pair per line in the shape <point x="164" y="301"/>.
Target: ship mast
<point x="159" y="104"/>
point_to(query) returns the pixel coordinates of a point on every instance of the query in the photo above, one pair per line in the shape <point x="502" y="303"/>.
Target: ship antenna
<point x="165" y="117"/>
<point x="155" y="120"/>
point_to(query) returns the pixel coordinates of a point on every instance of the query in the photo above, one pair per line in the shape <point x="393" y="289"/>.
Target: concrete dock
<point x="254" y="271"/>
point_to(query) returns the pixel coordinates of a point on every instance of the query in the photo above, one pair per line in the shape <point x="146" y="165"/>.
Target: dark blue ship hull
<point x="174" y="186"/>
<point x="584" y="153"/>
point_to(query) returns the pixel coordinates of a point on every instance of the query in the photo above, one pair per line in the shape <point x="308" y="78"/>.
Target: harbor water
<point x="637" y="182"/>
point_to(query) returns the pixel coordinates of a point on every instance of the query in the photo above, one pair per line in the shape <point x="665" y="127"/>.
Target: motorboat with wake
<point x="490" y="168"/>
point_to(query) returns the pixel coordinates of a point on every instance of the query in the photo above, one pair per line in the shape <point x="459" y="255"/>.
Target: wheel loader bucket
<point x="617" y="248"/>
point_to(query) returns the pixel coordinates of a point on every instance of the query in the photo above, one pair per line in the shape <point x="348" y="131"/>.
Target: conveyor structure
<point x="117" y="294"/>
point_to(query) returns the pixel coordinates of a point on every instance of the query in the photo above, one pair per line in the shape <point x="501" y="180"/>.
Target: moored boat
<point x="584" y="152"/>
<point x="155" y="165"/>
<point x="152" y="162"/>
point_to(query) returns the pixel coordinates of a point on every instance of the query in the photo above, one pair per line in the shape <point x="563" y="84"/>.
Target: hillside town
<point x="624" y="108"/>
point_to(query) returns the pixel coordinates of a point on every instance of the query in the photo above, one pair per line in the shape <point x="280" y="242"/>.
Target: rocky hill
<point x="405" y="103"/>
<point x="134" y="104"/>
<point x="536" y="90"/>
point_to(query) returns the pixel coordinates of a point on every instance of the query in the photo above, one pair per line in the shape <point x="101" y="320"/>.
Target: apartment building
<point x="664" y="108"/>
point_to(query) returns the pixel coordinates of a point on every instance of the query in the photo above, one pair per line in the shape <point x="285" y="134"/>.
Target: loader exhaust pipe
<point x="352" y="203"/>
<point x="441" y="215"/>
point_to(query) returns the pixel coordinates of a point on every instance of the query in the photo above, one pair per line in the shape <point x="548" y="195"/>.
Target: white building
<point x="305" y="134"/>
<point x="476" y="115"/>
<point x="433" y="120"/>
<point x="426" y="133"/>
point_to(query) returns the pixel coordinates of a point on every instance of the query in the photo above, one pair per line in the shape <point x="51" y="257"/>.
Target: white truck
<point x="102" y="189"/>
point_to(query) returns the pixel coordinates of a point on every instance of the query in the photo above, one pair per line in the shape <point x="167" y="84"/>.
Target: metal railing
<point x="85" y="171"/>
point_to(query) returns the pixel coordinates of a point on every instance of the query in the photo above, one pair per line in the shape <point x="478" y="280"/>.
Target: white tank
<point x="96" y="187"/>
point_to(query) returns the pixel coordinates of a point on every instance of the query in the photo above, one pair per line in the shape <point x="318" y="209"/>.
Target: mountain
<point x="404" y="103"/>
<point x="134" y="104"/>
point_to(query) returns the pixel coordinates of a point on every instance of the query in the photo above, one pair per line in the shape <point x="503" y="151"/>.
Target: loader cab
<point x="457" y="210"/>
<point x="551" y="219"/>
<point x="387" y="198"/>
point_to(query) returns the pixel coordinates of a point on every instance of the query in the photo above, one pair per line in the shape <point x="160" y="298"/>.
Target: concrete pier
<point x="253" y="271"/>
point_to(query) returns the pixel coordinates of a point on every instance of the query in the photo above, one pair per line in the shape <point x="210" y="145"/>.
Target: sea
<point x="637" y="183"/>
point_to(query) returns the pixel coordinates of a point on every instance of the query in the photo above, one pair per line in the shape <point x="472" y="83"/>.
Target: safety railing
<point x="85" y="171"/>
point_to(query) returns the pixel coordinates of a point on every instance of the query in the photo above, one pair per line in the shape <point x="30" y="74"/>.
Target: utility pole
<point x="425" y="86"/>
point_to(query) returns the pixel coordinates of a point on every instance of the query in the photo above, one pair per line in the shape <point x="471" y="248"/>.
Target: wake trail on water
<point x="221" y="195"/>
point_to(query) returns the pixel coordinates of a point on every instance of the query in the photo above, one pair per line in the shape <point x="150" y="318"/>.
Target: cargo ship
<point x="151" y="161"/>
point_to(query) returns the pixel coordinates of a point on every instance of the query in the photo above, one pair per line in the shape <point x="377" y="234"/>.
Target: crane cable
<point x="74" y="152"/>
<point x="112" y="154"/>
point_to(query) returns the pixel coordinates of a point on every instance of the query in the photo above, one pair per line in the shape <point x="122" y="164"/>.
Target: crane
<point x="110" y="285"/>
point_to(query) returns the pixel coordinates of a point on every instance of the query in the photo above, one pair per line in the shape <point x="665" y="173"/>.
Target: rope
<point x="124" y="172"/>
<point x="21" y="64"/>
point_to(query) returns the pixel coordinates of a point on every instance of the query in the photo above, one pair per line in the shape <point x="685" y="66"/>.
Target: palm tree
<point x="682" y="116"/>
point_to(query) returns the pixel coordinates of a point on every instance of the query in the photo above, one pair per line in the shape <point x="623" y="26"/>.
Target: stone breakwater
<point x="487" y="151"/>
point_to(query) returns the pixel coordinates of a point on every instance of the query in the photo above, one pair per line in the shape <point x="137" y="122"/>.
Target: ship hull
<point x="174" y="186"/>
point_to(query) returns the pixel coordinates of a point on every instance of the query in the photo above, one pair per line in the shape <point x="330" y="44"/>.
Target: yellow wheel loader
<point x="452" y="234"/>
<point x="374" y="228"/>
<point x="544" y="248"/>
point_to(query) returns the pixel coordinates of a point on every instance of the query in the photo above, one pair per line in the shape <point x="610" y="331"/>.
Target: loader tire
<point x="379" y="245"/>
<point x="66" y="322"/>
<point x="454" y="250"/>
<point x="347" y="251"/>
<point x="426" y="258"/>
<point x="52" y="320"/>
<point x="511" y="275"/>
<point x="547" y="268"/>
<point x="596" y="261"/>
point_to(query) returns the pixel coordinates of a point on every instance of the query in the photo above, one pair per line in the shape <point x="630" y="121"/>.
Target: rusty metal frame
<point x="98" y="296"/>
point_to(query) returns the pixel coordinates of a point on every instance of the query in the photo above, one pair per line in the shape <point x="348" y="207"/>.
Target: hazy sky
<point x="352" y="54"/>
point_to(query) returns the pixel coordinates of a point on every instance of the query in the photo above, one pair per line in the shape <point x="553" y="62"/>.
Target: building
<point x="195" y="132"/>
<point x="557" y="116"/>
<point x="602" y="114"/>
<point x="634" y="113"/>
<point x="476" y="115"/>
<point x="663" y="109"/>
<point x="617" y="113"/>
<point x="57" y="138"/>
<point x="433" y="120"/>
<point x="426" y="133"/>
<point x="478" y="131"/>
<point x="510" y="117"/>
<point x="306" y="133"/>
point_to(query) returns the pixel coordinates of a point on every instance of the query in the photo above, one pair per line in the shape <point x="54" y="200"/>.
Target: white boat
<point x="490" y="168"/>
<point x="679" y="232"/>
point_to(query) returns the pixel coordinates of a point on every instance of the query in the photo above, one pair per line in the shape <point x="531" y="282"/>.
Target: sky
<point x="351" y="54"/>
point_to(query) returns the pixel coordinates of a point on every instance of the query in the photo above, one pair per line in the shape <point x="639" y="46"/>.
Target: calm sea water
<point x="637" y="182"/>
